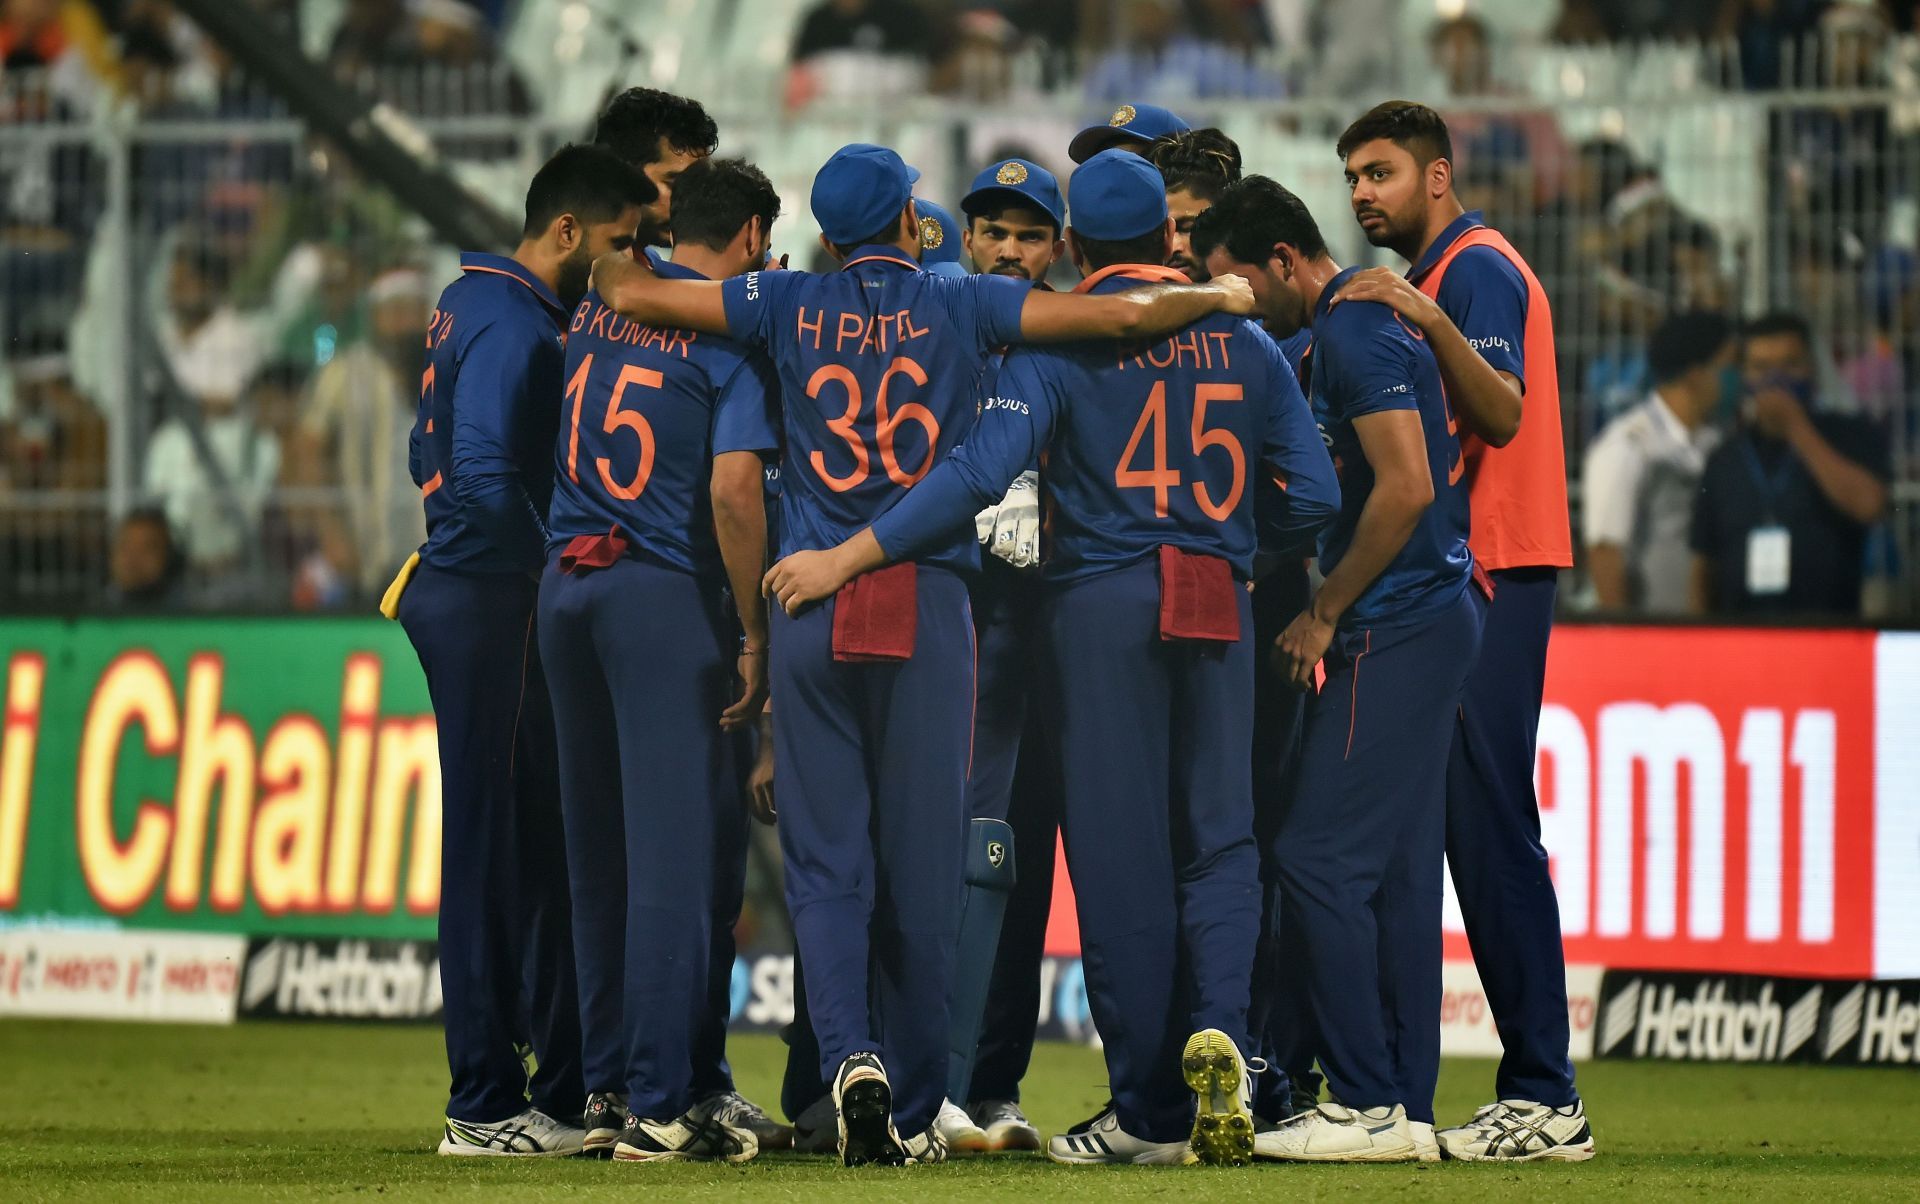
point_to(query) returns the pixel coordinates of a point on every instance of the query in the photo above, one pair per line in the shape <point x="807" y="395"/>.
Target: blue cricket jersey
<point x="879" y="366"/>
<point x="1146" y="446"/>
<point x="1364" y="360"/>
<point x="1484" y="295"/>
<point x="489" y="402"/>
<point x="645" y="412"/>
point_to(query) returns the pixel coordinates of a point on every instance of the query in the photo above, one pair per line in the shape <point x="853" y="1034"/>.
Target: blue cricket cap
<point x="939" y="239"/>
<point x="859" y="190"/>
<point x="1129" y="123"/>
<point x="1117" y="195"/>
<point x="1021" y="178"/>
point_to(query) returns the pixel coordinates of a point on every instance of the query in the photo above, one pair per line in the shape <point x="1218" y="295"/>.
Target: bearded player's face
<point x="1017" y="242"/>
<point x="1389" y="194"/>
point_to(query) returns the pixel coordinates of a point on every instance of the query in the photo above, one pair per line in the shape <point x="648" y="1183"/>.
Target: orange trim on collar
<point x="1144" y="272"/>
<point x="901" y="261"/>
<point x="521" y="280"/>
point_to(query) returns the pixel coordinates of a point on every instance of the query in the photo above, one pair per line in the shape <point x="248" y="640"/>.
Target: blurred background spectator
<point x="1642" y="473"/>
<point x="145" y="567"/>
<point x="1780" y="525"/>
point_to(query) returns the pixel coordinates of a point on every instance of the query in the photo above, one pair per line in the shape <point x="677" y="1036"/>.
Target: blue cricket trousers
<point x="872" y="765"/>
<point x="506" y="951"/>
<point x="1155" y="742"/>
<point x="1359" y="852"/>
<point x="1493" y="842"/>
<point x="1015" y="777"/>
<point x="640" y="660"/>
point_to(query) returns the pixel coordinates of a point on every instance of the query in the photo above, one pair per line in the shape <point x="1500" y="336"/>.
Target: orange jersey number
<point x="887" y="418"/>
<point x="1160" y="478"/>
<point x="615" y="419"/>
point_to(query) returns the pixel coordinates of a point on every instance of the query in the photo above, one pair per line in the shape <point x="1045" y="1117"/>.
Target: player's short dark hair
<point x="1250" y="217"/>
<point x="635" y="122"/>
<point x="1408" y="124"/>
<point x="1778" y="322"/>
<point x="1685" y="341"/>
<point x="715" y="197"/>
<point x="885" y="236"/>
<point x="1150" y="247"/>
<point x="1202" y="162"/>
<point x="590" y="182"/>
<point x="996" y="210"/>
<point x="148" y="516"/>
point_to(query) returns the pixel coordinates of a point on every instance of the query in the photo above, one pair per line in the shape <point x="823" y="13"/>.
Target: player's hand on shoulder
<point x="1300" y="648"/>
<point x="1390" y="288"/>
<point x="804" y="577"/>
<point x="1236" y="295"/>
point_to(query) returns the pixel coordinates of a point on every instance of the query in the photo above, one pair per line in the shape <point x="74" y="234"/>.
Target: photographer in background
<point x="1780" y="524"/>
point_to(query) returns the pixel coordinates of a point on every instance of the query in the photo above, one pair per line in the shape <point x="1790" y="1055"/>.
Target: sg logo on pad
<point x="996" y="853"/>
<point x="1123" y="115"/>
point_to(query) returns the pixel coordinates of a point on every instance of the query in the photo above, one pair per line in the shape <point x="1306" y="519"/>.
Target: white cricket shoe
<point x="1104" y="1143"/>
<point x="528" y="1134"/>
<point x="736" y="1111"/>
<point x="958" y="1131"/>
<point x="1517" y="1130"/>
<point x="1006" y="1126"/>
<point x="1424" y="1144"/>
<point x="1223" y="1093"/>
<point x="1332" y="1132"/>
<point x="925" y="1148"/>
<point x="693" y="1136"/>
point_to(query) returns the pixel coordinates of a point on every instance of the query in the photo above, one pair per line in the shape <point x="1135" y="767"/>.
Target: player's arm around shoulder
<point x="634" y="291"/>
<point x="1134" y="313"/>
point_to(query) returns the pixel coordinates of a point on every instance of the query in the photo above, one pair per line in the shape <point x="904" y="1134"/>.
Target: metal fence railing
<point x="217" y="317"/>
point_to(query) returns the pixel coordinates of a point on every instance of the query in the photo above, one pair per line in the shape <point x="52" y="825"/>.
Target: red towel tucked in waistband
<point x="1483" y="580"/>
<point x="1198" y="597"/>
<point x="585" y="553"/>
<point x="875" y="615"/>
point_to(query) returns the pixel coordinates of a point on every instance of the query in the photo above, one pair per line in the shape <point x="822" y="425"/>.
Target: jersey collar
<point x="1145" y="273"/>
<point x="502" y="265"/>
<point x="1325" y="301"/>
<point x="1455" y="228"/>
<point x="668" y="269"/>
<point x="885" y="254"/>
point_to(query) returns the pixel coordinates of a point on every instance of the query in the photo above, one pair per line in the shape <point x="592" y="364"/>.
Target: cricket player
<point x="1397" y="622"/>
<point x="1487" y="321"/>
<point x="879" y="365"/>
<point x="663" y="135"/>
<point x="1015" y="228"/>
<point x="1132" y="127"/>
<point x="1197" y="166"/>
<point x="657" y="506"/>
<point x="1148" y="628"/>
<point x="481" y="452"/>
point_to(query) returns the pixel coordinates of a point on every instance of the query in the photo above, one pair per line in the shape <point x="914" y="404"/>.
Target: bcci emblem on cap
<point x="1123" y="115"/>
<point x="1011" y="173"/>
<point x="931" y="235"/>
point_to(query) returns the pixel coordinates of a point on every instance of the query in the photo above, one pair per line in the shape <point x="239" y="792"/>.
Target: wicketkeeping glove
<point x="1011" y="529"/>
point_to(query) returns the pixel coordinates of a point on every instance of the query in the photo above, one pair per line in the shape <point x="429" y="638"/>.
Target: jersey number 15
<point x="615" y="419"/>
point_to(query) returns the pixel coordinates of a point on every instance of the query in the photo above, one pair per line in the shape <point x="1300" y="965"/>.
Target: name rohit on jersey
<point x="601" y="322"/>
<point x="1194" y="349"/>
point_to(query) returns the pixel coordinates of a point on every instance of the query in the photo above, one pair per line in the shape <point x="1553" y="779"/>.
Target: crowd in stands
<point x="274" y="297"/>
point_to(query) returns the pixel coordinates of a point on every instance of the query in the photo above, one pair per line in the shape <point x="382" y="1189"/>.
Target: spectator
<point x="1643" y="471"/>
<point x="145" y="564"/>
<point x="1780" y="525"/>
<point x="1161" y="56"/>
<point x="873" y="50"/>
<point x="61" y="38"/>
<point x="353" y="437"/>
<point x="210" y="467"/>
<point x="1518" y="153"/>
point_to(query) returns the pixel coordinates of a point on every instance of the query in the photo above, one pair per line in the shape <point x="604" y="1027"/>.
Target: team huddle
<point x="925" y="565"/>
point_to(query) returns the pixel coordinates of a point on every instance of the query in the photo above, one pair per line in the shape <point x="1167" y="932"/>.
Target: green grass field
<point x="272" y="1111"/>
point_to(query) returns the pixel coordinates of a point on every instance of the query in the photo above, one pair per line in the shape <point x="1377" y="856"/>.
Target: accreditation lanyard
<point x="1769" y="546"/>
